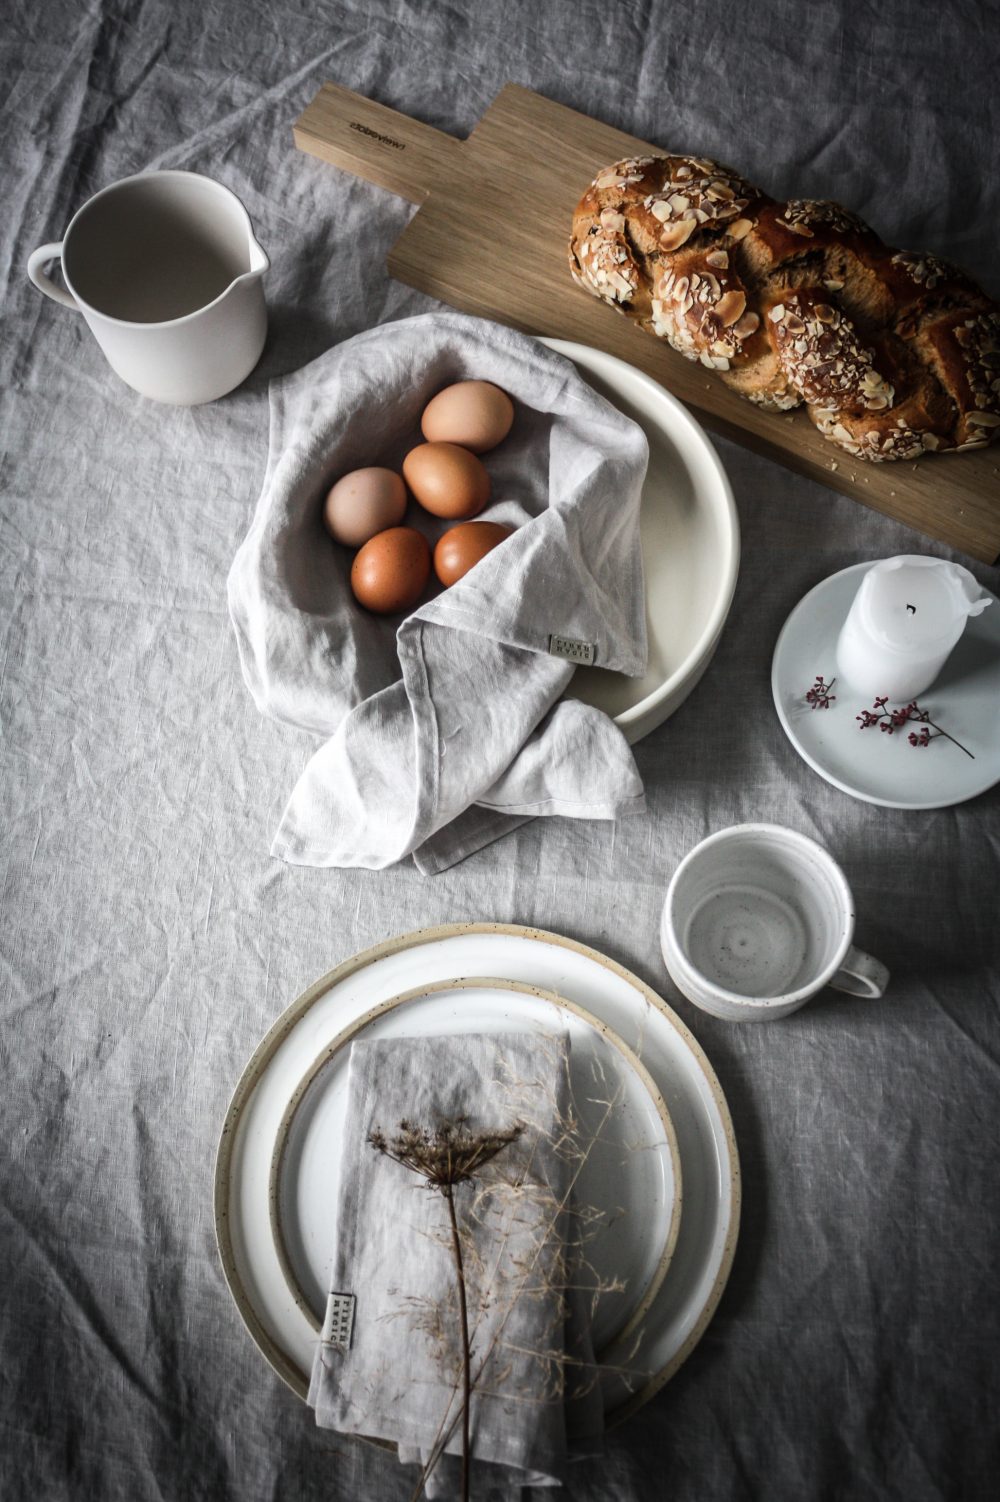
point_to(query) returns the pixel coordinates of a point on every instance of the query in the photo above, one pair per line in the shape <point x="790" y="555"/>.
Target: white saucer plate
<point x="868" y="764"/>
<point x="631" y="1173"/>
<point x="690" y="548"/>
<point x="684" y="1302"/>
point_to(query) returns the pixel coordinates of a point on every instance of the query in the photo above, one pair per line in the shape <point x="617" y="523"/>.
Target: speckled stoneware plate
<point x="686" y="1299"/>
<point x="878" y="768"/>
<point x="690" y="548"/>
<point x="631" y="1174"/>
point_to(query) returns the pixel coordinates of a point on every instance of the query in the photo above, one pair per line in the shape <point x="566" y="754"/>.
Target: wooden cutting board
<point x="490" y="238"/>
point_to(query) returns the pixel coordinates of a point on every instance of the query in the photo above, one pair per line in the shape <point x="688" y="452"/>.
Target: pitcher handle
<point x="861" y="975"/>
<point x="43" y="281"/>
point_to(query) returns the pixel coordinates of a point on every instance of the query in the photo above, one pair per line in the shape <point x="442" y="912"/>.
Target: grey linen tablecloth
<point x="148" y="940"/>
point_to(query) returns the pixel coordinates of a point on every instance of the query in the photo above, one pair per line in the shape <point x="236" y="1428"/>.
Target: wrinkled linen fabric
<point x="400" y="1377"/>
<point x="148" y="941"/>
<point x="475" y="716"/>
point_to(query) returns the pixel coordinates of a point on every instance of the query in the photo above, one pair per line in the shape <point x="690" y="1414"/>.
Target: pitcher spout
<point x="259" y="261"/>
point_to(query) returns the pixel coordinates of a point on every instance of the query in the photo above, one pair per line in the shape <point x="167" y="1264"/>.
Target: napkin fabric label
<point x="338" y="1327"/>
<point x="582" y="652"/>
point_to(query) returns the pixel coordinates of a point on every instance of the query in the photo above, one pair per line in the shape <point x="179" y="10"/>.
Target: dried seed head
<point x="446" y="1155"/>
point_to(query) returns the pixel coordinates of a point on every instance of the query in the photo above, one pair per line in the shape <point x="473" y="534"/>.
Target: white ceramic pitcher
<point x="167" y="272"/>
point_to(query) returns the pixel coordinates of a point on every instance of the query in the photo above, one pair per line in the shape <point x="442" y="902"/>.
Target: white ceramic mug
<point x="757" y="919"/>
<point x="167" y="272"/>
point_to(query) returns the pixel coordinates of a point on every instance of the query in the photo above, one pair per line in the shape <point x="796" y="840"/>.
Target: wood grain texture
<point x="490" y="238"/>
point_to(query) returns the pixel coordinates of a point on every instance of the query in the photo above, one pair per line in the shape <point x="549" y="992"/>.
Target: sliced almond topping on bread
<point x="730" y="307"/>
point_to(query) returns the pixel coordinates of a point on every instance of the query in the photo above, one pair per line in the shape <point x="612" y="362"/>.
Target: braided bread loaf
<point x="892" y="352"/>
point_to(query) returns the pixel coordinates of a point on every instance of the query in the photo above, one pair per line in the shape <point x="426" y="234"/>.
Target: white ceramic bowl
<point x="690" y="548"/>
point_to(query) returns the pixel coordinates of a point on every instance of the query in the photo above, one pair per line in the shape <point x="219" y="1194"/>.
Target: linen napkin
<point x="396" y="1374"/>
<point x="458" y="708"/>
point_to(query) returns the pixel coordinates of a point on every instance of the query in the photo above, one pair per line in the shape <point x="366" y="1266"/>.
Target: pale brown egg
<point x="476" y="414"/>
<point x="447" y="480"/>
<point x="461" y="548"/>
<point x="362" y="503"/>
<point x="390" y="572"/>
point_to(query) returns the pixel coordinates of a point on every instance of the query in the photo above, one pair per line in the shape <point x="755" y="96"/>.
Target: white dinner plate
<point x="886" y="769"/>
<point x="630" y="1175"/>
<point x="688" y="1295"/>
<point x="690" y="547"/>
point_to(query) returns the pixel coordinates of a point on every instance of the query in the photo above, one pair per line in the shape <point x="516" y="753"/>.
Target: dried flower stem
<point x="447" y="1156"/>
<point x="819" y="696"/>
<point x="558" y="1209"/>
<point x="891" y="720"/>
<point x="456" y="1242"/>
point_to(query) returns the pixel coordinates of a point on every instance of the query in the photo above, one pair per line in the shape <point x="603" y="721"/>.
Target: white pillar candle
<point x="906" y="617"/>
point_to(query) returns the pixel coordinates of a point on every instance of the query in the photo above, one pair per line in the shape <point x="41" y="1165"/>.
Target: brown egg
<point x="447" y="480"/>
<point x="461" y="547"/>
<point x="476" y="414"/>
<point x="362" y="503"/>
<point x="390" y="572"/>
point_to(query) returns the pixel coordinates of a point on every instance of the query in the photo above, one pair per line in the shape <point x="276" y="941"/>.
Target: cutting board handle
<point x="376" y="143"/>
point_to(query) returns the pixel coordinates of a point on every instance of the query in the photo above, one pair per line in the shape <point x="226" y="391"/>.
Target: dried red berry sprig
<point x="819" y="696"/>
<point x="891" y="720"/>
<point x="888" y="720"/>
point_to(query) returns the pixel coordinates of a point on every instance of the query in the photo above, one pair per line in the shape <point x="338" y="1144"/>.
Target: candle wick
<point x="912" y="608"/>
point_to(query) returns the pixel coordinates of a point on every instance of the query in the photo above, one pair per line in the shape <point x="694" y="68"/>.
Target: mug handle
<point x="861" y="975"/>
<point x="43" y="282"/>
